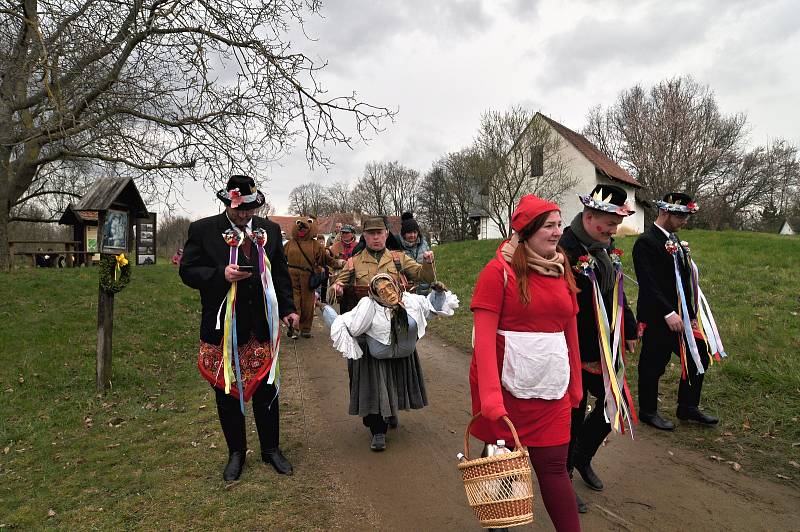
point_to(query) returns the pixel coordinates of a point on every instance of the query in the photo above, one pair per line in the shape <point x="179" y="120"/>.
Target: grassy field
<point x="752" y="284"/>
<point x="148" y="454"/>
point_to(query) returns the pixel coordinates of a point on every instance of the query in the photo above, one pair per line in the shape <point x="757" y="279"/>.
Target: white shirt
<point x="667" y="234"/>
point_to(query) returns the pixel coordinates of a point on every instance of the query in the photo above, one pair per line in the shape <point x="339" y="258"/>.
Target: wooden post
<point x="105" y="327"/>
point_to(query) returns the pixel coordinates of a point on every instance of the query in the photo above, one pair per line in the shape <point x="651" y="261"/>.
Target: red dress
<point x="539" y="422"/>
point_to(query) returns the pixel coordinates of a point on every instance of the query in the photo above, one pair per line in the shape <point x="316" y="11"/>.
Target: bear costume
<point x="306" y="255"/>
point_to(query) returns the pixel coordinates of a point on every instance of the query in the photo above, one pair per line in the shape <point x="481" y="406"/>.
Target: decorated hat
<point x="678" y="202"/>
<point x="608" y="198"/>
<point x="241" y="193"/>
<point x="528" y="209"/>
<point x="408" y="223"/>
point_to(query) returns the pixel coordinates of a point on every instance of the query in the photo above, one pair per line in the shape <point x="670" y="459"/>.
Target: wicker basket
<point x="499" y="488"/>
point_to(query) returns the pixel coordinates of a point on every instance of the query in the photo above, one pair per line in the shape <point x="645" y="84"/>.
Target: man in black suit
<point x="207" y="266"/>
<point x="591" y="233"/>
<point x="659" y="312"/>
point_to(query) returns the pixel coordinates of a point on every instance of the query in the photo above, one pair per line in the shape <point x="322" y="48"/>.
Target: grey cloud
<point x="596" y="44"/>
<point x="348" y="30"/>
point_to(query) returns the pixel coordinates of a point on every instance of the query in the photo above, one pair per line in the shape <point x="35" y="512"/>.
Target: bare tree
<point x="158" y="90"/>
<point x="403" y="188"/>
<point x="521" y="155"/>
<point x="670" y="137"/>
<point x="309" y="198"/>
<point x="340" y="197"/>
<point x="371" y="192"/>
<point x="447" y="195"/>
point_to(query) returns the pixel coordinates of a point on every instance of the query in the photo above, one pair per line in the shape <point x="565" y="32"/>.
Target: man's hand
<point x="291" y="320"/>
<point x="338" y="288"/>
<point x="427" y="257"/>
<point x="232" y="273"/>
<point x="630" y="345"/>
<point x="674" y="323"/>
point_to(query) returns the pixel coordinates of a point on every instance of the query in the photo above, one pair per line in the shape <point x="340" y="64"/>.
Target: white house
<point x="786" y="229"/>
<point x="588" y="167"/>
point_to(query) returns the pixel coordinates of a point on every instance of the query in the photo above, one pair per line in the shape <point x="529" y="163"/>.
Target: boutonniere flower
<point x="584" y="264"/>
<point x="685" y="246"/>
<point x="671" y="247"/>
<point x="232" y="237"/>
<point x="259" y="236"/>
<point x="616" y="256"/>
<point x="236" y="197"/>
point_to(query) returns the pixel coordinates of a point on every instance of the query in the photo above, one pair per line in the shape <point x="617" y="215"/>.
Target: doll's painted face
<point x="387" y="291"/>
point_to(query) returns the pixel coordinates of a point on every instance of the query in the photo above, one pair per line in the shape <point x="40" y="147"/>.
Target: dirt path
<point x="414" y="484"/>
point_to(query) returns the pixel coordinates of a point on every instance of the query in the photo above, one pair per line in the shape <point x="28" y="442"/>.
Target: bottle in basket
<point x="504" y="486"/>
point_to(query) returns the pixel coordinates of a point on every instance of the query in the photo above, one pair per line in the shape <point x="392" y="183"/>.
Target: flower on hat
<point x="236" y="197"/>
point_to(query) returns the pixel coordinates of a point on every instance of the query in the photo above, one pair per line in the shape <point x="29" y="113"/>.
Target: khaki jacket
<point x="361" y="268"/>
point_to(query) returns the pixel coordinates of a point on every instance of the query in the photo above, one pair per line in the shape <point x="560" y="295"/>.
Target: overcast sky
<point x="440" y="64"/>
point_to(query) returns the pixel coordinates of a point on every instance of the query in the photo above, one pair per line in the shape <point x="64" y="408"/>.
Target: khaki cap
<point x="373" y="223"/>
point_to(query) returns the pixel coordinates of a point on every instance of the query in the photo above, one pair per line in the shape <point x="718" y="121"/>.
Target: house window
<point x="537" y="160"/>
<point x="484" y="227"/>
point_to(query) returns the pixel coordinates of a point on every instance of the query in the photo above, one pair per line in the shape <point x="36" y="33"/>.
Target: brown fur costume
<point x="304" y="236"/>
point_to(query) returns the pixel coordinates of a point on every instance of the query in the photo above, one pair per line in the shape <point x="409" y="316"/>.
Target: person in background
<point x="414" y="244"/>
<point x="337" y="230"/>
<point x="525" y="363"/>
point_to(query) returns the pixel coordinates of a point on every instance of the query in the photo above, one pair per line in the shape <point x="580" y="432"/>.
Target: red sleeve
<point x="489" y="288"/>
<point x="485" y="354"/>
<point x="575" y="389"/>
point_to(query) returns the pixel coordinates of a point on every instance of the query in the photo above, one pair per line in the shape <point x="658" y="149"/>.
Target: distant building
<point x="588" y="165"/>
<point x="786" y="229"/>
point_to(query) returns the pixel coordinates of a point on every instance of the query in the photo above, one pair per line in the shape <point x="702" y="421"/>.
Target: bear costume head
<point x="305" y="228"/>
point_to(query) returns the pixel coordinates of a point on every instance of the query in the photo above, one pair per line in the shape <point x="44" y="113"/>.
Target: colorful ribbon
<point x="611" y="340"/>
<point x="706" y="324"/>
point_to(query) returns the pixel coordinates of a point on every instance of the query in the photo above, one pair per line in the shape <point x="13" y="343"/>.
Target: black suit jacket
<point x="655" y="272"/>
<point x="205" y="256"/>
<point x="587" y="322"/>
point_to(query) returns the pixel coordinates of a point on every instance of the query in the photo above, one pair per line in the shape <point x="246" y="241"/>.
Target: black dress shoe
<point x="582" y="509"/>
<point x="234" y="467"/>
<point x="655" y="420"/>
<point x="278" y="461"/>
<point x="692" y="413"/>
<point x="589" y="476"/>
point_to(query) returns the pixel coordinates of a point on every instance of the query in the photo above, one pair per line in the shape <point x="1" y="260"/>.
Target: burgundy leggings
<point x="550" y="464"/>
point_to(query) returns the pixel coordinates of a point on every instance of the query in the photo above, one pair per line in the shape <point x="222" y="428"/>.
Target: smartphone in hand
<point x="245" y="268"/>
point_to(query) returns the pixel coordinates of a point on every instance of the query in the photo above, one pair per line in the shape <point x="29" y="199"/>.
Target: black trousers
<point x="265" y="410"/>
<point x="658" y="345"/>
<point x="588" y="432"/>
<point x="375" y="423"/>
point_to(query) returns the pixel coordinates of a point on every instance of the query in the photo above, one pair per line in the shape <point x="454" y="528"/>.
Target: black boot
<point x="582" y="508"/>
<point x="234" y="467"/>
<point x="277" y="460"/>
<point x="590" y="478"/>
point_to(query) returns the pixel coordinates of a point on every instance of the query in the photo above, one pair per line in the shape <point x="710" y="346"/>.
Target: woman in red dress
<point x="526" y="364"/>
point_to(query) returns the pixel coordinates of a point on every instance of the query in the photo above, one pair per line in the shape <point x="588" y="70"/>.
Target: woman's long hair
<point x="519" y="261"/>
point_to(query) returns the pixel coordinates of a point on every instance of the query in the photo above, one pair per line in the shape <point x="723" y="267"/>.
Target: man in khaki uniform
<point x="375" y="258"/>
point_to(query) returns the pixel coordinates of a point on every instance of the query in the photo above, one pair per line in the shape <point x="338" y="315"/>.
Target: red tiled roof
<point x="325" y="224"/>
<point x="600" y="161"/>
